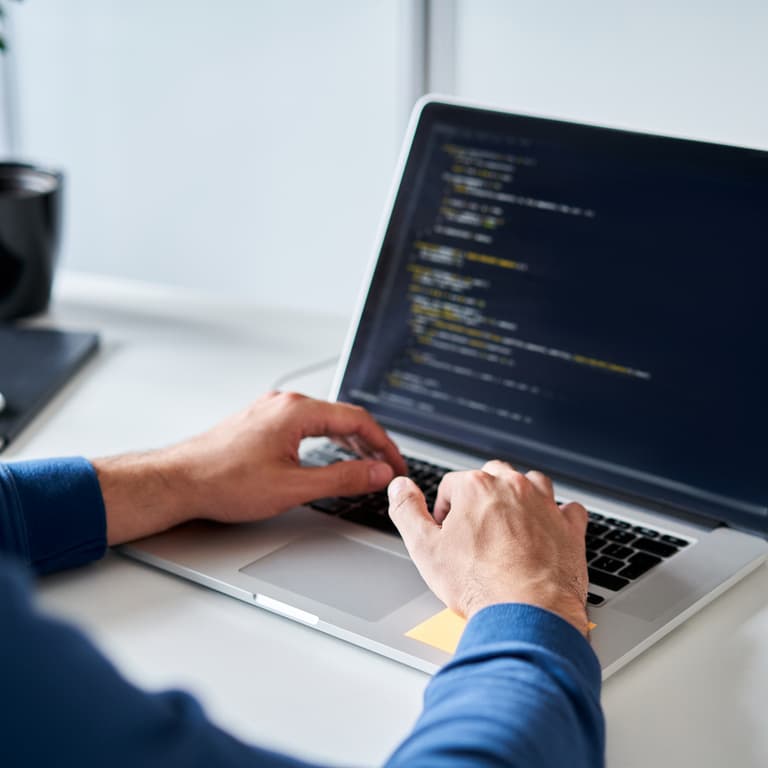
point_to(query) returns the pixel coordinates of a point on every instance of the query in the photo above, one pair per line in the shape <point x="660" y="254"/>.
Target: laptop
<point x="577" y="299"/>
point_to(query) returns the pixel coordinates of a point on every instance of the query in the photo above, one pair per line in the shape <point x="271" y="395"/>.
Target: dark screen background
<point x="586" y="300"/>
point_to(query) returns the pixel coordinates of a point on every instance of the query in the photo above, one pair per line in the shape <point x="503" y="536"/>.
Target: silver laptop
<point x="577" y="299"/>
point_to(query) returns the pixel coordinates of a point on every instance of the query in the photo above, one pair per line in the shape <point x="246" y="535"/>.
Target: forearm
<point x="144" y="493"/>
<point x="522" y="690"/>
<point x="61" y="513"/>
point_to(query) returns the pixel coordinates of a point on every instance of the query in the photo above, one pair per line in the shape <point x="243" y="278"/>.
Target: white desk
<point x="172" y="365"/>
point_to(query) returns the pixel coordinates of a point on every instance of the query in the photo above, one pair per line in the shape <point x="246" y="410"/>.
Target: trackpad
<point x="361" y="580"/>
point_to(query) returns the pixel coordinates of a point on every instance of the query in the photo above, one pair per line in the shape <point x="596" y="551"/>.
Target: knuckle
<point x="479" y="480"/>
<point x="542" y="482"/>
<point x="519" y="483"/>
<point x="405" y="499"/>
<point x="497" y="466"/>
<point x="357" y="410"/>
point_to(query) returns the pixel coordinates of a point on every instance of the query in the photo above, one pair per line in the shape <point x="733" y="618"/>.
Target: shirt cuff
<point x="59" y="510"/>
<point x="521" y="623"/>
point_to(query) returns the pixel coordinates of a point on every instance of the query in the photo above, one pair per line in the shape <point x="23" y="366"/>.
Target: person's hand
<point x="497" y="536"/>
<point x="245" y="468"/>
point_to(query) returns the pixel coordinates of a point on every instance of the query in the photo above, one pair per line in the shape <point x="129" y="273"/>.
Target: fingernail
<point x="396" y="487"/>
<point x="379" y="474"/>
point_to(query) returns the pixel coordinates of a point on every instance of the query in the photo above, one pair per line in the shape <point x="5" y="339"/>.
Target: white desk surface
<point x="171" y="365"/>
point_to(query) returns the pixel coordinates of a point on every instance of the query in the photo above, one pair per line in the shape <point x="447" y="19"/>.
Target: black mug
<point x="30" y="225"/>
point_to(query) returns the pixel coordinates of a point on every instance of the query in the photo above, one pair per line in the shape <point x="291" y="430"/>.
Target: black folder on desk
<point x="34" y="365"/>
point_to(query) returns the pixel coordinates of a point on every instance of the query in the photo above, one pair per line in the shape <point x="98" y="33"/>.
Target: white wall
<point x="239" y="147"/>
<point x="245" y="147"/>
<point x="696" y="68"/>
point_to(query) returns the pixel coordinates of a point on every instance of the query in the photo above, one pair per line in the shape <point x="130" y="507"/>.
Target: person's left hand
<point x="245" y="468"/>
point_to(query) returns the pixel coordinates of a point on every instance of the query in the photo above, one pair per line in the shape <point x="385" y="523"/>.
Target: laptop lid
<point x="581" y="299"/>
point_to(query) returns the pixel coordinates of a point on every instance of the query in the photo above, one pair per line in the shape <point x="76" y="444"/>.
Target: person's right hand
<point x="497" y="536"/>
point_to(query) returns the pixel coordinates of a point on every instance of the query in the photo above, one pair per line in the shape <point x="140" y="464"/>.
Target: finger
<point x="445" y="491"/>
<point x="341" y="419"/>
<point x="343" y="442"/>
<point x="344" y="478"/>
<point x="409" y="513"/>
<point x="576" y="514"/>
<point x="498" y="468"/>
<point x="542" y="482"/>
<point x="356" y="445"/>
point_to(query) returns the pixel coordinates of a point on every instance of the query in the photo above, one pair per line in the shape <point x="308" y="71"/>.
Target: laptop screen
<point x="583" y="300"/>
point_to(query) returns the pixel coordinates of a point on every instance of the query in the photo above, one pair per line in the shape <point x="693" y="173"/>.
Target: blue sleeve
<point x="522" y="690"/>
<point x="51" y="513"/>
<point x="63" y="703"/>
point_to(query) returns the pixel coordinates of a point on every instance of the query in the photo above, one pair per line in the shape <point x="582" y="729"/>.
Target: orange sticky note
<point x="443" y="630"/>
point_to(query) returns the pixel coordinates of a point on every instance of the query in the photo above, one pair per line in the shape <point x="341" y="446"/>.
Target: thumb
<point x="409" y="513"/>
<point x="344" y="478"/>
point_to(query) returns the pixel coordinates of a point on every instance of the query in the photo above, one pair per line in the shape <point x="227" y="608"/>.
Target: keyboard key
<point x="597" y="529"/>
<point x="638" y="565"/>
<point x="608" y="564"/>
<point x="594" y="515"/>
<point x="655" y="547"/>
<point x="620" y="537"/>
<point x="591" y="555"/>
<point x="618" y="551"/>
<point x="674" y="541"/>
<point x="371" y="509"/>
<point x="594" y="542"/>
<point x="649" y="532"/>
<point x="607" y="580"/>
<point x="594" y="599"/>
<point x="617" y="523"/>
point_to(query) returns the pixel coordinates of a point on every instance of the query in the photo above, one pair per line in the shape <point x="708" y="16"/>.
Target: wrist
<point x="144" y="493"/>
<point x="565" y="604"/>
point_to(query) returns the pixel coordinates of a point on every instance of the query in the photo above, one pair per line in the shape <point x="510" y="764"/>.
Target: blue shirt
<point x="522" y="689"/>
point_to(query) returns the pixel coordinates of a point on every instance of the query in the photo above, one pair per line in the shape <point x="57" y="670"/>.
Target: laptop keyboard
<point x="618" y="551"/>
<point x="372" y="509"/>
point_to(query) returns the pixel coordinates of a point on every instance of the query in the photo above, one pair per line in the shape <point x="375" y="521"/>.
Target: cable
<point x="281" y="381"/>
